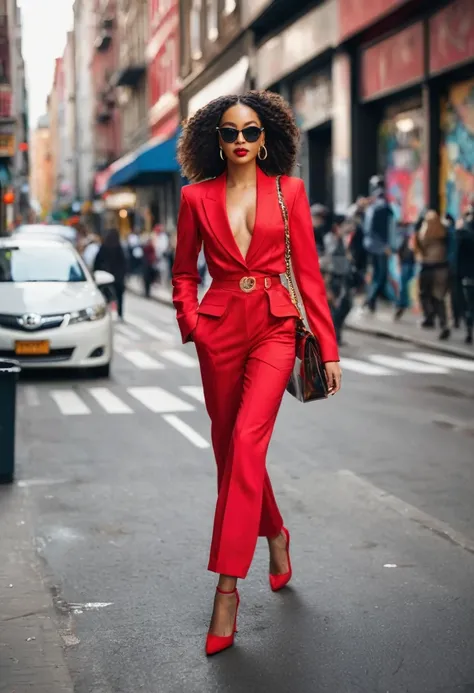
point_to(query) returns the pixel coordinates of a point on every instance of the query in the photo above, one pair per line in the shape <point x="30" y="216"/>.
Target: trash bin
<point x="9" y="371"/>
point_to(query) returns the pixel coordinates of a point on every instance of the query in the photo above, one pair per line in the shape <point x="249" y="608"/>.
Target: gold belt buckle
<point x="247" y="284"/>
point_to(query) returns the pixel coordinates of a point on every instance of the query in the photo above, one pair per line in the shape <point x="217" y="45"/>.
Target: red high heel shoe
<point x="217" y="643"/>
<point x="277" y="582"/>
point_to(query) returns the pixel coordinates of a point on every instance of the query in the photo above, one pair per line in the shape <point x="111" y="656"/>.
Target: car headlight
<point x="88" y="314"/>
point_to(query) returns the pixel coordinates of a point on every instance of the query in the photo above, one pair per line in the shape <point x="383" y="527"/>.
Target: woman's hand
<point x="333" y="373"/>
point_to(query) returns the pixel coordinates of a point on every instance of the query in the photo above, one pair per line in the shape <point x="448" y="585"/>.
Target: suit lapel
<point x="216" y="212"/>
<point x="266" y="187"/>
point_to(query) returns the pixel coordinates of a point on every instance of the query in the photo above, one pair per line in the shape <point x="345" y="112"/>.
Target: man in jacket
<point x="379" y="232"/>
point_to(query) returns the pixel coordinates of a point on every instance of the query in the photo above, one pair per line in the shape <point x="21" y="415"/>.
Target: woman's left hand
<point x="333" y="373"/>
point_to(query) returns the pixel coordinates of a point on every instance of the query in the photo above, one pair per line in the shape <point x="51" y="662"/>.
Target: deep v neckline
<point x="227" y="219"/>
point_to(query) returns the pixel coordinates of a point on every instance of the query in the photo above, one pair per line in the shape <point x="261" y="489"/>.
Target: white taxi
<point x="52" y="311"/>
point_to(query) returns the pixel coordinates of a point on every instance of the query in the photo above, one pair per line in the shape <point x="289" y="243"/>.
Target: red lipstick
<point x="241" y="151"/>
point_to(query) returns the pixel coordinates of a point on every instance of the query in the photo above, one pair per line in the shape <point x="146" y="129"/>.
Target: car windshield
<point x="40" y="264"/>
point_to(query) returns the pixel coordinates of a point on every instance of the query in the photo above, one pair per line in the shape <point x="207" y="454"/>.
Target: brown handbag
<point x="308" y="381"/>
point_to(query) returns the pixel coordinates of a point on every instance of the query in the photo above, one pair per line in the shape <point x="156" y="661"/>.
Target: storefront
<point x="300" y="64"/>
<point x="413" y="120"/>
<point x="451" y="66"/>
<point x="392" y="71"/>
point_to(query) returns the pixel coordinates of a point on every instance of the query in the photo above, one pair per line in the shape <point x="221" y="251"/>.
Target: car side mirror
<point x="103" y="279"/>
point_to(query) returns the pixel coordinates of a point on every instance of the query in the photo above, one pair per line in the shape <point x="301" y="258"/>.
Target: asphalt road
<point x="376" y="486"/>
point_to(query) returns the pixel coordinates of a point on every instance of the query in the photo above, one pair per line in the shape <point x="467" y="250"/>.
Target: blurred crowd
<point x="366" y="252"/>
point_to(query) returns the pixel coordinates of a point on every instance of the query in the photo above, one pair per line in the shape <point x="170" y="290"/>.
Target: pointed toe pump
<point x="277" y="582"/>
<point x="218" y="643"/>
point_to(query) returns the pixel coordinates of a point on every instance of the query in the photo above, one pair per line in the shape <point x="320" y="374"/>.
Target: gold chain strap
<point x="289" y="279"/>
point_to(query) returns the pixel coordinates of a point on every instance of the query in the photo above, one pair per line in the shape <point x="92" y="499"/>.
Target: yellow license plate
<point x="32" y="348"/>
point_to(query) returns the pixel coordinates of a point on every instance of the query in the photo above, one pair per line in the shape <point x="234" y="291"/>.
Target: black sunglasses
<point x="229" y="135"/>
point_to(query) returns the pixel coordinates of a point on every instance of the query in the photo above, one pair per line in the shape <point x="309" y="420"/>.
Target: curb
<point x="376" y="331"/>
<point x="380" y="332"/>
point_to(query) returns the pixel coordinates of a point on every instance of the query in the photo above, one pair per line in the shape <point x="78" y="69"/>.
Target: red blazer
<point x="203" y="220"/>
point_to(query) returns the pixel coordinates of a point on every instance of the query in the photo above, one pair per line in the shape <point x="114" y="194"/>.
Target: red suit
<point x="244" y="331"/>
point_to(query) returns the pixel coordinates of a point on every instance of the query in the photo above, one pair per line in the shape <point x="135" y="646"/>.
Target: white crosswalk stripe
<point x="151" y="330"/>
<point x="406" y="364"/>
<point x="364" y="367"/>
<point x="69" y="403"/>
<point x="159" y="401"/>
<point x="109" y="401"/>
<point x="180" y="358"/>
<point x="443" y="361"/>
<point x="125" y="331"/>
<point x="141" y="360"/>
<point x="186" y="431"/>
<point x="194" y="391"/>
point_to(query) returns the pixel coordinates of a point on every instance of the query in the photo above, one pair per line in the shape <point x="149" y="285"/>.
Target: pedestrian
<point x="319" y="216"/>
<point x="407" y="265"/>
<point x="455" y="282"/>
<point x="339" y="272"/>
<point x="379" y="232"/>
<point x="91" y="247"/>
<point x="111" y="258"/>
<point x="465" y="270"/>
<point x="432" y="249"/>
<point x="149" y="266"/>
<point x="244" y="328"/>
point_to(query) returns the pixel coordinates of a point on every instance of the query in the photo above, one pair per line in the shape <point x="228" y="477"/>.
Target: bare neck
<point x="241" y="176"/>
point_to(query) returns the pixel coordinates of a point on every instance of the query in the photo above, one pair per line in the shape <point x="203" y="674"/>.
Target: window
<point x="195" y="29"/>
<point x="39" y="264"/>
<point x="212" y="20"/>
<point x="229" y="6"/>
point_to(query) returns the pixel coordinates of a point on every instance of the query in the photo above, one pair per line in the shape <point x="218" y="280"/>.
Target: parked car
<point x="52" y="309"/>
<point x="68" y="233"/>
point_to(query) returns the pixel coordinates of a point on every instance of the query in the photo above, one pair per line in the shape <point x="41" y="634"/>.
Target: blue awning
<point x="147" y="165"/>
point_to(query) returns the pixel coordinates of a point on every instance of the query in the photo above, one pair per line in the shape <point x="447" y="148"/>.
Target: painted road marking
<point x="364" y="367"/>
<point x="180" y="358"/>
<point x="443" y="361"/>
<point x="69" y="403"/>
<point x="142" y="360"/>
<point x="406" y="364"/>
<point x="194" y="391"/>
<point x="186" y="431"/>
<point x="158" y="400"/>
<point x="127" y="332"/>
<point x="109" y="402"/>
<point x="151" y="330"/>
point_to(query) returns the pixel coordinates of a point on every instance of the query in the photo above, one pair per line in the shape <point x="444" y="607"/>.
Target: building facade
<point x="413" y="101"/>
<point x="41" y="179"/>
<point x="84" y="33"/>
<point x="106" y="118"/>
<point x="69" y="184"/>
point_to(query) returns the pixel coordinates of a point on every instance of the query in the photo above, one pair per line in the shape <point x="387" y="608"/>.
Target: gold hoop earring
<point x="221" y="154"/>
<point x="263" y="156"/>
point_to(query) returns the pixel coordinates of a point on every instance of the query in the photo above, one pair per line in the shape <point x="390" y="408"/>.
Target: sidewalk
<point x="381" y="324"/>
<point x="31" y="656"/>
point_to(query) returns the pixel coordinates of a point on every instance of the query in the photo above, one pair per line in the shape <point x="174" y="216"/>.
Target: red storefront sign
<point x="354" y="15"/>
<point x="394" y="62"/>
<point x="452" y="35"/>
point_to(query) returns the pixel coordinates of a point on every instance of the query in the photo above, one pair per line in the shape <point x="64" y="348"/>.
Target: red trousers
<point x="246" y="355"/>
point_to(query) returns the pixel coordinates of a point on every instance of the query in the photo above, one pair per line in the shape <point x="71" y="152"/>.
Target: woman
<point x="244" y="328"/>
<point x="431" y="244"/>
<point x="111" y="258"/>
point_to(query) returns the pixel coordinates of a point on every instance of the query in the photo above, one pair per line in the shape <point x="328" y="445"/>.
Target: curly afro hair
<point x="198" y="147"/>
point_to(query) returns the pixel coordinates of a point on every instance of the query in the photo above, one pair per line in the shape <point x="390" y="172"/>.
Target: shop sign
<point x="452" y="35"/>
<point x="312" y="101"/>
<point x="397" y="61"/>
<point x="7" y="145"/>
<point x="311" y="35"/>
<point x="121" y="200"/>
<point x="232" y="81"/>
<point x="355" y="15"/>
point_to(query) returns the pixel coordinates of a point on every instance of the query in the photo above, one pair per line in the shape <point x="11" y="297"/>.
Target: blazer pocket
<point x="214" y="306"/>
<point x="281" y="305"/>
